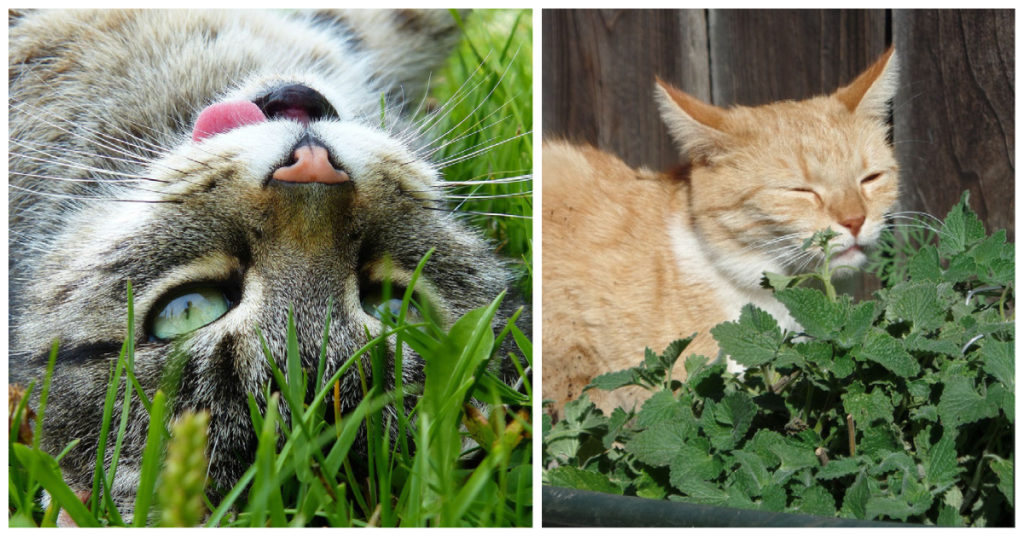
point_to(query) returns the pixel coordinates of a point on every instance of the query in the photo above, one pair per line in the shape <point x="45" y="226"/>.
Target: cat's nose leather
<point x="853" y="224"/>
<point x="312" y="164"/>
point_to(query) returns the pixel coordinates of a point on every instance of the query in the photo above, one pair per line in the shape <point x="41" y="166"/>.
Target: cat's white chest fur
<point x="691" y="259"/>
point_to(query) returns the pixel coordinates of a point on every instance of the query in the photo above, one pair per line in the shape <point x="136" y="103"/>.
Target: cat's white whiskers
<point x="449" y="162"/>
<point x="918" y="214"/>
<point x="475" y="182"/>
<point x="479" y="213"/>
<point x="527" y="193"/>
<point x="468" y="135"/>
<point x="117" y="147"/>
<point x="92" y="198"/>
<point x="457" y="97"/>
<point x="487" y="97"/>
<point x="76" y="179"/>
<point x="51" y="159"/>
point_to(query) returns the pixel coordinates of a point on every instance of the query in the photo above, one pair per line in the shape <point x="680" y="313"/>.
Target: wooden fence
<point x="953" y="116"/>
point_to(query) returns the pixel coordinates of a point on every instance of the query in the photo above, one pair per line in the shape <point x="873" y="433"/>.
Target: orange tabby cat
<point x="634" y="258"/>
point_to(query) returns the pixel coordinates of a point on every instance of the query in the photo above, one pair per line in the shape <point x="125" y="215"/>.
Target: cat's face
<point x="764" y="179"/>
<point x="280" y="188"/>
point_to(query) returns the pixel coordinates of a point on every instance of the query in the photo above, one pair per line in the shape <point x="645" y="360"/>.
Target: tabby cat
<point x="634" y="258"/>
<point x="231" y="166"/>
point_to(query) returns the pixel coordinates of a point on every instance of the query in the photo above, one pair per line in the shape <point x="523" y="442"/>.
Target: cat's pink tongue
<point x="224" y="116"/>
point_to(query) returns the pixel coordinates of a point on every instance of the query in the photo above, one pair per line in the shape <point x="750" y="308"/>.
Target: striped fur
<point x="107" y="187"/>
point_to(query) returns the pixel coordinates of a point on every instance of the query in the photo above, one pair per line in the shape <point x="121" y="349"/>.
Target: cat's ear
<point x="871" y="92"/>
<point x="694" y="125"/>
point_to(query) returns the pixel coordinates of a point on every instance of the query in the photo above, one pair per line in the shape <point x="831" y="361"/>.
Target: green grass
<point x="486" y="92"/>
<point x="305" y="471"/>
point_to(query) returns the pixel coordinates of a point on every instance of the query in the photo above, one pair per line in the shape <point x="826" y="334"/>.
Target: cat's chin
<point x="851" y="257"/>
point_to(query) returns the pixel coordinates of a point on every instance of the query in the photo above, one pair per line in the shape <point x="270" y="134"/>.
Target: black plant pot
<point x="564" y="507"/>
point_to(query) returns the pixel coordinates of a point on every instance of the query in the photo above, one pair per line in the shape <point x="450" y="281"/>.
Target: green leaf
<point x="841" y="467"/>
<point x="924" y="265"/>
<point x="868" y="408"/>
<point x="923" y="304"/>
<point x="752" y="340"/>
<point x="649" y="487"/>
<point x="663" y="407"/>
<point x="961" y="403"/>
<point x="736" y="410"/>
<point x="962" y="267"/>
<point x="793" y="456"/>
<point x="700" y="492"/>
<point x="817" y="315"/>
<point x="777" y="282"/>
<point x="855" y="501"/>
<point x="942" y="465"/>
<point x="755" y="469"/>
<point x="773" y="499"/>
<point x="726" y="422"/>
<point x="857" y="324"/>
<point x="1004" y="470"/>
<point x="668" y="358"/>
<point x="657" y="446"/>
<point x="883" y="349"/>
<point x="693" y="460"/>
<point x="949" y="517"/>
<point x="616" y="422"/>
<point x="998" y="360"/>
<point x="611" y="381"/>
<point x="572" y="477"/>
<point x="961" y="229"/>
<point x="815" y="500"/>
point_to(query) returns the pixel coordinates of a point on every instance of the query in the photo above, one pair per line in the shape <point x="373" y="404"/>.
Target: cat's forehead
<point x="817" y="134"/>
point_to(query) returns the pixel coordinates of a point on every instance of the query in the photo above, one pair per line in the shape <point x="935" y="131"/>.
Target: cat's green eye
<point x="381" y="303"/>
<point x="188" y="310"/>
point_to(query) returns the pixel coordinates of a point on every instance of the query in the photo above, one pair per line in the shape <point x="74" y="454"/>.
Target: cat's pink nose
<point x="312" y="164"/>
<point x="853" y="224"/>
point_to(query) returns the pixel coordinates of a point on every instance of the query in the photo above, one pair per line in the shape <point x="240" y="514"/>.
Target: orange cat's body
<point x="610" y="287"/>
<point x="636" y="259"/>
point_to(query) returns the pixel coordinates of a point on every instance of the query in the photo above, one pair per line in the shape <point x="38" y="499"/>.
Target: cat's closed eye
<point x="871" y="178"/>
<point x="806" y="192"/>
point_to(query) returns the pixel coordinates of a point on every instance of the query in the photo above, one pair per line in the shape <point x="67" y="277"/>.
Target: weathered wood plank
<point x="954" y="116"/>
<point x="598" y="77"/>
<point x="761" y="56"/>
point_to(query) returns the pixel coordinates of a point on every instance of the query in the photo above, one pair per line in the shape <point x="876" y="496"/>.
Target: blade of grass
<point x="152" y="457"/>
<point x="45" y="470"/>
<point x="101" y="448"/>
<point x="45" y="394"/>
